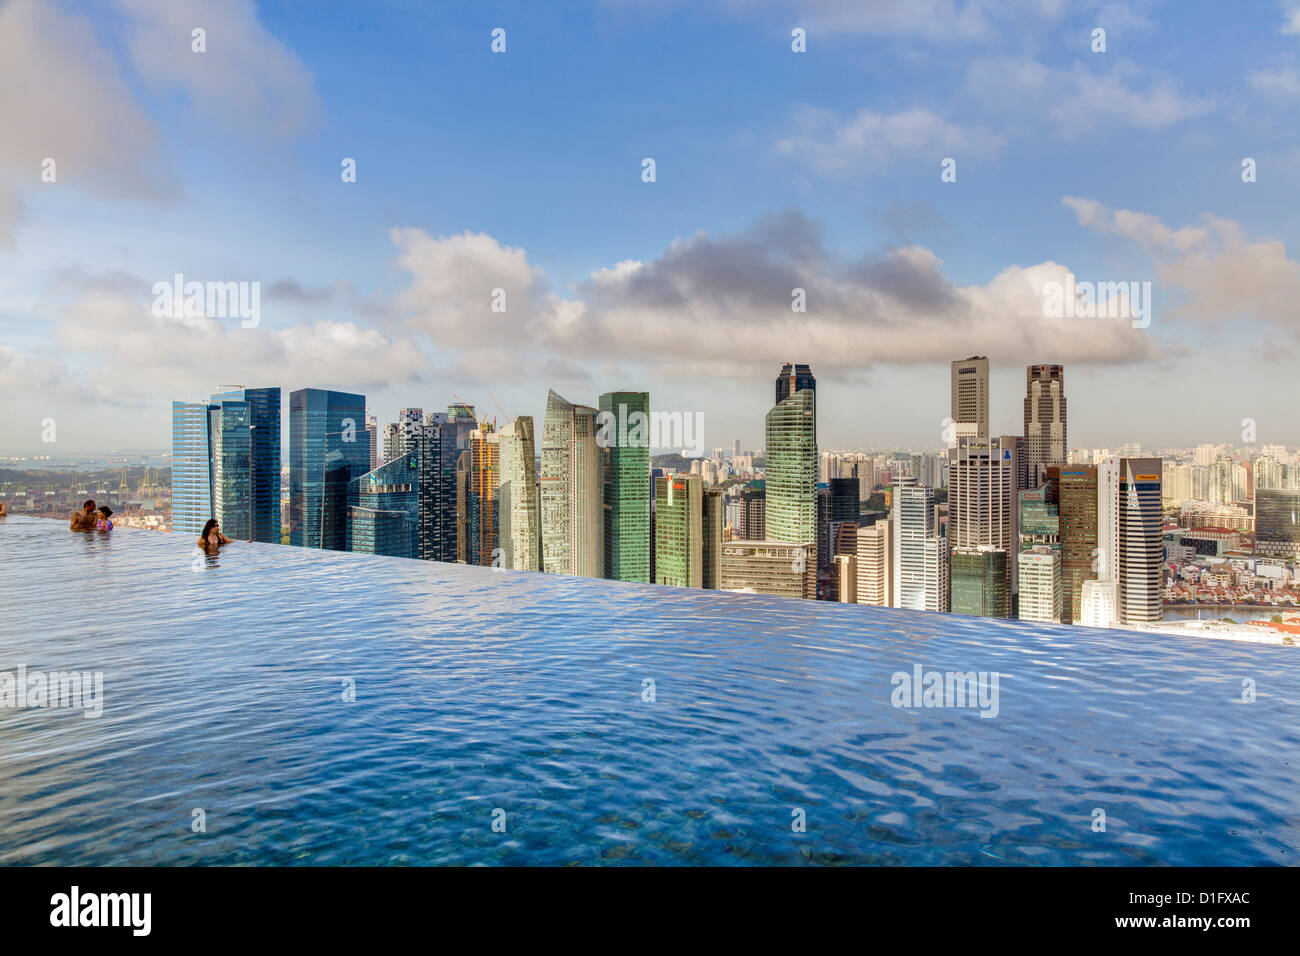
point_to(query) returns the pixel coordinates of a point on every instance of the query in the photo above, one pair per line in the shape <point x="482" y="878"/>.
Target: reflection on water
<point x="322" y="708"/>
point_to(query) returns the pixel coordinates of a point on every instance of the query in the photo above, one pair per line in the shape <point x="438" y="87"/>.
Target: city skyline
<point x="385" y="283"/>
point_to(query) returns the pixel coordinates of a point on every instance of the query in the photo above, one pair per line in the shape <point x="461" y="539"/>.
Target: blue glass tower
<point x="191" y="464"/>
<point x="325" y="454"/>
<point x="384" y="509"/>
<point x="226" y="464"/>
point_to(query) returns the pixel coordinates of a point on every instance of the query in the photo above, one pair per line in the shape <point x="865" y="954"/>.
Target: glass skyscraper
<point x="384" y="509"/>
<point x="328" y="447"/>
<point x="626" y="496"/>
<point x="226" y="464"/>
<point x="791" y="469"/>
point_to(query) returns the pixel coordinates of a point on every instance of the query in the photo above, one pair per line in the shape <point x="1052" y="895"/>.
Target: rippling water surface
<point x="479" y="690"/>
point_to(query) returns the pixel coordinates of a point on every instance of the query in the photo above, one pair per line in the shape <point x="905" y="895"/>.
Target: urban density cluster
<point x="998" y="526"/>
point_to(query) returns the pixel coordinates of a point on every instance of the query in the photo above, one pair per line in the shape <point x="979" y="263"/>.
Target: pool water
<point x="509" y="718"/>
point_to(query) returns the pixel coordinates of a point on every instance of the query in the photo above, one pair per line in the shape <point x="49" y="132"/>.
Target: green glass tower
<point x="679" y="531"/>
<point x="791" y="510"/>
<point x="625" y="423"/>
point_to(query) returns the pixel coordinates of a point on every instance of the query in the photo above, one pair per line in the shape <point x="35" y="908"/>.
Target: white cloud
<point x="246" y="79"/>
<point x="66" y="100"/>
<point x="871" y="141"/>
<point x="1279" y="82"/>
<point x="1219" y="271"/>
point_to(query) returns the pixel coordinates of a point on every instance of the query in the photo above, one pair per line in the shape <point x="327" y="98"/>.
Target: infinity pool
<point x="512" y="718"/>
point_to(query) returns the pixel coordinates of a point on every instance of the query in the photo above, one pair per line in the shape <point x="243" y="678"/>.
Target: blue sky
<point x="522" y="170"/>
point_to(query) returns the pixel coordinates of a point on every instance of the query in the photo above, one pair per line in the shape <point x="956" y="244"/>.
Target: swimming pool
<point x="513" y="718"/>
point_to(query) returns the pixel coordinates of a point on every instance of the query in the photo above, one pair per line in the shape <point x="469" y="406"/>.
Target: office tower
<point x="791" y="485"/>
<point x="846" y="578"/>
<point x="982" y="501"/>
<point x="843" y="500"/>
<point x="226" y="464"/>
<point x="1141" y="548"/>
<point x="797" y="378"/>
<point x="780" y="568"/>
<point x="484" y="476"/>
<point x="191" y="464"/>
<point x="735" y="448"/>
<point x="518" y="530"/>
<point x="875" y="564"/>
<point x="325" y="454"/>
<point x="1040" y="527"/>
<point x="1277" y="522"/>
<point x="384" y="509"/>
<point x="970" y="399"/>
<point x="1077" y="503"/>
<point x="751" y="526"/>
<point x="978" y="581"/>
<point x="1045" y="441"/>
<point x="679" y="531"/>
<point x="711" y="543"/>
<point x="1099" y="604"/>
<point x="937" y="557"/>
<point x="372" y="429"/>
<point x="1040" y="584"/>
<point x="920" y="563"/>
<point x="391" y="441"/>
<point x="573" y="540"/>
<point x="1106" y="563"/>
<point x="626" y="491"/>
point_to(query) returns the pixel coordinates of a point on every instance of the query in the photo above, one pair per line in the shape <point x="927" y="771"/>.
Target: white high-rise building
<point x="1040" y="585"/>
<point x="913" y="521"/>
<point x="876" y="564"/>
<point x="1099" y="604"/>
<point x="983" y="506"/>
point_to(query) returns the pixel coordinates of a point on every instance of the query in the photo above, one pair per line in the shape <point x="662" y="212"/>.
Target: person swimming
<point x="83" y="520"/>
<point x="211" y="539"/>
<point x="102" y="523"/>
<point x="3" y="513"/>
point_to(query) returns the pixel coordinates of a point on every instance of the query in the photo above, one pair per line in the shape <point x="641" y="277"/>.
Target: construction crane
<point x="499" y="408"/>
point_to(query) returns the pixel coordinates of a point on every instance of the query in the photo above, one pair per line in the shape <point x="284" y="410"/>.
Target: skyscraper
<point x="1040" y="584"/>
<point x="384" y="509"/>
<point x="573" y="540"/>
<point x="372" y="429"/>
<point x="626" y="490"/>
<point x="978" y="581"/>
<point x="679" y="531"/>
<point x="791" y="485"/>
<point x="327" y="449"/>
<point x="875" y="564"/>
<point x="983" y="509"/>
<point x="1277" y="522"/>
<point x="1077" y="499"/>
<point x="484" y="451"/>
<point x="226" y="463"/>
<point x="1045" y="441"/>
<point x="518" y="531"/>
<point x="1141" y="547"/>
<point x="970" y="399"/>
<point x="191" y="468"/>
<point x="920" y="562"/>
<point x="796" y="378"/>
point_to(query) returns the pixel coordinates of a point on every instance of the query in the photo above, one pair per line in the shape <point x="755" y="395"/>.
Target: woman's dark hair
<point x="105" y="510"/>
<point x="212" y="523"/>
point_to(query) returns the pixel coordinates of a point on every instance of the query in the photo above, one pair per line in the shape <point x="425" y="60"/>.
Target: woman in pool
<point x="102" y="522"/>
<point x="211" y="539"/>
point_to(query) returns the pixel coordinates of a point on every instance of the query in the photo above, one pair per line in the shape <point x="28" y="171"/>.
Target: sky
<point x="774" y="170"/>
